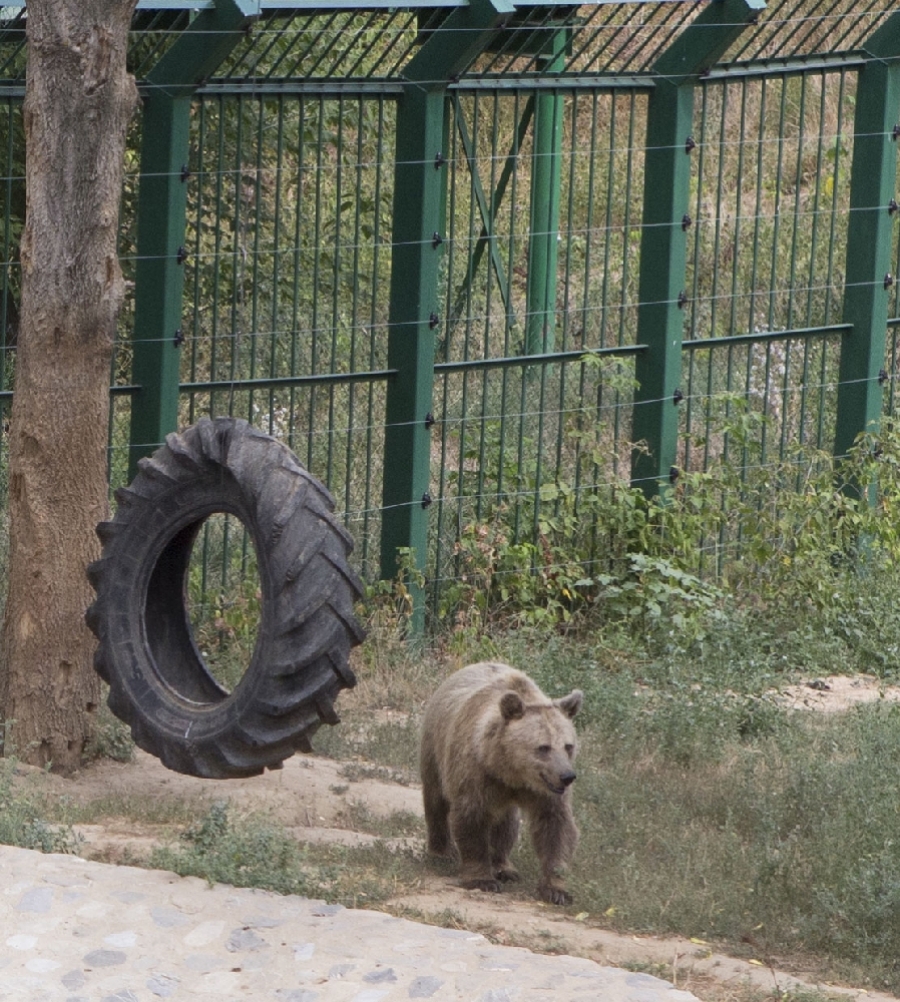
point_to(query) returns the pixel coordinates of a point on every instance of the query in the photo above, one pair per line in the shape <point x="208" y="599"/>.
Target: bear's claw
<point x="482" y="884"/>
<point x="554" y="895"/>
<point x="507" y="873"/>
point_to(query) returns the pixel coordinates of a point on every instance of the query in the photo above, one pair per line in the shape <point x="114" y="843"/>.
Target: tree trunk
<point x="78" y="101"/>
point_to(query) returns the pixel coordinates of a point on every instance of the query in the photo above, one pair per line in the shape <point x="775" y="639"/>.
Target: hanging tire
<point x="158" y="681"/>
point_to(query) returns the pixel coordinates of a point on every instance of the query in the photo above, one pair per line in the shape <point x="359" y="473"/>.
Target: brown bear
<point x="493" y="744"/>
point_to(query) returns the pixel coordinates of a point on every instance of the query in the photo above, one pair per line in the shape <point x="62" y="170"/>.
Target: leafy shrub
<point x="799" y="541"/>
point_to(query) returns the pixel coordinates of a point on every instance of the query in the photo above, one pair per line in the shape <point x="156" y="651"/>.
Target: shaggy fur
<point x="494" y="745"/>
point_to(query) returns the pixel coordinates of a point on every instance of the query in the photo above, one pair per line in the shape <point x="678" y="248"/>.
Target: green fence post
<point x="663" y="236"/>
<point x="162" y="204"/>
<point x="869" y="237"/>
<point x="546" y="179"/>
<point x="419" y="180"/>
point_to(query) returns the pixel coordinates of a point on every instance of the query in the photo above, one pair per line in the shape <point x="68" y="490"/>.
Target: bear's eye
<point x="543" y="750"/>
<point x="570" y="750"/>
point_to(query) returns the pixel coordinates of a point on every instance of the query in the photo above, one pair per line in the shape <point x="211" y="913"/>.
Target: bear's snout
<point x="559" y="782"/>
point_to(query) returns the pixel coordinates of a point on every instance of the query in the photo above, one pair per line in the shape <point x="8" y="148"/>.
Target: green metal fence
<point x="286" y="265"/>
<point x="766" y="258"/>
<point x="463" y="257"/>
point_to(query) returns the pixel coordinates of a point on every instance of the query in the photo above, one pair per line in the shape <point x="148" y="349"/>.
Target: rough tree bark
<point x="78" y="101"/>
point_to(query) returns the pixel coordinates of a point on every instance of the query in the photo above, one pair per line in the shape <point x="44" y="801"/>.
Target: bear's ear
<point x="511" y="706"/>
<point x="571" y="704"/>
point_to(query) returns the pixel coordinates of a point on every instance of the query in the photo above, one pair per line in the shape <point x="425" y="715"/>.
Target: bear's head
<point x="538" y="742"/>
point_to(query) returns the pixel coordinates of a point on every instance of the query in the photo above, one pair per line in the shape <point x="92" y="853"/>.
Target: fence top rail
<point x="618" y="39"/>
<point x="324" y="5"/>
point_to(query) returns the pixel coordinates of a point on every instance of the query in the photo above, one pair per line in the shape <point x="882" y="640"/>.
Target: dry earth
<point x="838" y="692"/>
<point x="311" y="795"/>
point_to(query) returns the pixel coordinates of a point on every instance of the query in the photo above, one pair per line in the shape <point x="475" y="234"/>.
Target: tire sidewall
<point x="152" y="528"/>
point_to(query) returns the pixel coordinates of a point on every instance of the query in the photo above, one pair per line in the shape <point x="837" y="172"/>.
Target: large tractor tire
<point x="158" y="681"/>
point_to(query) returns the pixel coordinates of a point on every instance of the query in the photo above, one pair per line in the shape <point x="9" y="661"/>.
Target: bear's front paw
<point x="482" y="884"/>
<point x="507" y="873"/>
<point x="554" y="894"/>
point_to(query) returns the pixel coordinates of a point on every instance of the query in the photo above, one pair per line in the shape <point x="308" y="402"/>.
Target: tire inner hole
<point x="224" y="597"/>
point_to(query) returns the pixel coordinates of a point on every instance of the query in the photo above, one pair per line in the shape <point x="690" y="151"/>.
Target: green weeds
<point x="111" y="738"/>
<point x="253" y="851"/>
<point x="789" y="549"/>
<point x="23" y="817"/>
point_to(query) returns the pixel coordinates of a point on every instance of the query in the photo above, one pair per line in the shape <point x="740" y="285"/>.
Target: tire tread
<point x="308" y="617"/>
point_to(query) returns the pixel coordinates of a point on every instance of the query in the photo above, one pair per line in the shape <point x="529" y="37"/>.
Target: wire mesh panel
<point x="527" y="410"/>
<point x="289" y="221"/>
<point x="12" y="152"/>
<point x="771" y="204"/>
<point x="597" y="162"/>
<point x="520" y="448"/>
<point x="891" y="372"/>
<point x="772" y="396"/>
<point x="767" y="249"/>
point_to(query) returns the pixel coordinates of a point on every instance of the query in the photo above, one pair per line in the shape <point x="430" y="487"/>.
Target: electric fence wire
<point x="591" y="412"/>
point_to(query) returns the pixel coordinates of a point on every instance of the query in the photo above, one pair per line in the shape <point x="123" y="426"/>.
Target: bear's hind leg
<point x="503" y="837"/>
<point x="472" y="836"/>
<point x="437" y="809"/>
<point x="436" y="814"/>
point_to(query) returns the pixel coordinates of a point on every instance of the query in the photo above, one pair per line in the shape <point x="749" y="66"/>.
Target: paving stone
<point x="122" y="934"/>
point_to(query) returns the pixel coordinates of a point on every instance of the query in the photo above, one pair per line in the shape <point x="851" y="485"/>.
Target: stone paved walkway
<point x="75" y="931"/>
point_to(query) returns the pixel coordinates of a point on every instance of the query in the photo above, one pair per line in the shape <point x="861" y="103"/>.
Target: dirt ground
<point x="310" y="796"/>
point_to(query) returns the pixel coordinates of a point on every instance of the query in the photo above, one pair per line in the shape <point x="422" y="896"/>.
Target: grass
<point x="358" y="816"/>
<point x="26" y="819"/>
<point x="708" y="809"/>
<point x="250" y="850"/>
<point x="356" y="771"/>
